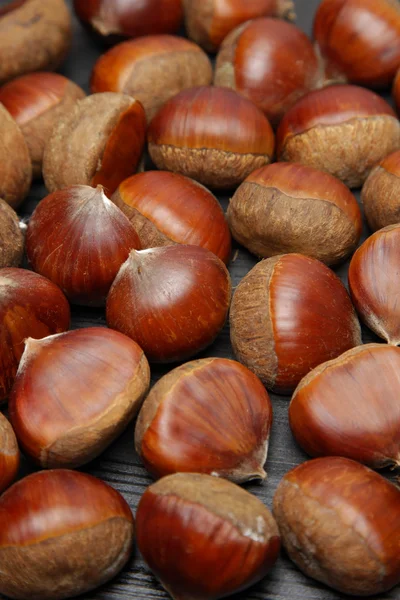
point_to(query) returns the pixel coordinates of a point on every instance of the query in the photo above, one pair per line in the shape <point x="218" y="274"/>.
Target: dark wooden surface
<point x="120" y="466"/>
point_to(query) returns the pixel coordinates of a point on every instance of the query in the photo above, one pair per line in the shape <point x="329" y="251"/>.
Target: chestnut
<point x="152" y="69"/>
<point x="111" y="19"/>
<point x="11" y="237"/>
<point x="339" y="523"/>
<point x="9" y="454"/>
<point x="381" y="193"/>
<point x="30" y="306"/>
<point x="288" y="207"/>
<point x="98" y="141"/>
<point x="289" y="314"/>
<point x="75" y="393"/>
<point x="207" y="416"/>
<point x="373" y="283"/>
<point x="78" y="239"/>
<point x="37" y="101"/>
<point x="15" y="162"/>
<point x="344" y="130"/>
<point x="205" y="537"/>
<point x="211" y="134"/>
<point x="62" y="533"/>
<point x="396" y="90"/>
<point x="270" y="62"/>
<point x="35" y="36"/>
<point x="359" y="40"/>
<point x="167" y="208"/>
<point x="208" y="22"/>
<point x="349" y="407"/>
<point x="173" y="301"/>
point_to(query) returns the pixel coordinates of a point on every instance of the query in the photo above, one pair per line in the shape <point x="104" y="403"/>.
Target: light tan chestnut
<point x="9" y="454"/>
<point x="15" y="162"/>
<point x="11" y="237"/>
<point x="381" y="193"/>
<point x="75" y="393"/>
<point x="207" y="416"/>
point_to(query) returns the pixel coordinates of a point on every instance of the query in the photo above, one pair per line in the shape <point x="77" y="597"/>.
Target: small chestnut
<point x="62" y="533"/>
<point x="99" y="140"/>
<point x="78" y="239"/>
<point x="381" y="193"/>
<point x="208" y="22"/>
<point x="340" y="523"/>
<point x="75" y="393"/>
<point x="15" y="162"/>
<point x="203" y="537"/>
<point x="9" y="454"/>
<point x="270" y="62"/>
<point x="37" y="101"/>
<point x="289" y="314"/>
<point x="207" y="416"/>
<point x="35" y="36"/>
<point x="288" y="207"/>
<point x="344" y="130"/>
<point x="30" y="306"/>
<point x="173" y="301"/>
<point x="373" y="283"/>
<point x="211" y="134"/>
<point x="166" y="208"/>
<point x="11" y="237"/>
<point x="152" y="69"/>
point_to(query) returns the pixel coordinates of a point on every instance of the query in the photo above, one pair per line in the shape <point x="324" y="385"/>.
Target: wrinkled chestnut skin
<point x="173" y="301"/>
<point x="288" y="207"/>
<point x="35" y="36"/>
<point x="381" y="193"/>
<point x="62" y="533"/>
<point x="340" y="524"/>
<point x="152" y="69"/>
<point x="207" y="416"/>
<point x="177" y="520"/>
<point x="166" y="208"/>
<point x="374" y="285"/>
<point x="15" y="162"/>
<point x="289" y="314"/>
<point x="9" y="454"/>
<point x="30" y="306"/>
<point x="212" y="135"/>
<point x="37" y="101"/>
<point x="11" y="237"/>
<point x="75" y="393"/>
<point x="344" y="130"/>
<point x="270" y="62"/>
<point x="359" y="39"/>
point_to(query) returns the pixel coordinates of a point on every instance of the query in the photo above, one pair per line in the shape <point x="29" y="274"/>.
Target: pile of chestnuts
<point x="172" y="290"/>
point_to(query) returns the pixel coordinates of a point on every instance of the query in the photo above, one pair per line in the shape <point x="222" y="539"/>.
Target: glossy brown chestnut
<point x="211" y="134"/>
<point x="173" y="301"/>
<point x="288" y="207"/>
<point x="30" y="306"/>
<point x="127" y="18"/>
<point x="166" y="208"/>
<point x="11" y="237"/>
<point x="75" y="393"/>
<point x="99" y="141"/>
<point x="381" y="193"/>
<point x="349" y="407"/>
<point x="78" y="239"/>
<point x="344" y="130"/>
<point x="36" y="102"/>
<point x="207" y="416"/>
<point x="288" y="315"/>
<point x="270" y="62"/>
<point x="35" y="36"/>
<point x="203" y="537"/>
<point x="359" y="39"/>
<point x="340" y="524"/>
<point x="373" y="283"/>
<point x="152" y="69"/>
<point x="208" y="22"/>
<point x="9" y="454"/>
<point x="15" y="162"/>
<point x="62" y="533"/>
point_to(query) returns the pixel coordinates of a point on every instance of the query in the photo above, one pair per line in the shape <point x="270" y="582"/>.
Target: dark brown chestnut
<point x="11" y="237"/>
<point x="15" y="162"/>
<point x="381" y="193"/>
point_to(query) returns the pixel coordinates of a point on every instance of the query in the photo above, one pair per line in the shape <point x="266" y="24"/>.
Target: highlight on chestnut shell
<point x="381" y="193"/>
<point x="208" y="416"/>
<point x="340" y="524"/>
<point x="176" y="521"/>
<point x="9" y="454"/>
<point x="173" y="301"/>
<point x="62" y="533"/>
<point x="75" y="393"/>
